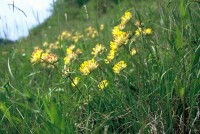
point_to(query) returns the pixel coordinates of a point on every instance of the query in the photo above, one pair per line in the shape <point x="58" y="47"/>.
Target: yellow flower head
<point x="121" y="39"/>
<point x="126" y="17"/>
<point x="138" y="31"/>
<point x="65" y="71"/>
<point x="45" y="44"/>
<point x="110" y="56"/>
<point x="49" y="58"/>
<point x="78" y="51"/>
<point x="36" y="55"/>
<point x="64" y="35"/>
<point x="75" y="81"/>
<point x="70" y="49"/>
<point x="147" y="31"/>
<point x="67" y="60"/>
<point x="88" y="66"/>
<point x="91" y="32"/>
<point x="77" y="37"/>
<point x="116" y="31"/>
<point x="122" y="26"/>
<point x="113" y="46"/>
<point x="133" y="52"/>
<point x="103" y="84"/>
<point x="98" y="49"/>
<point x="119" y="66"/>
<point x="44" y="56"/>
<point x="101" y="26"/>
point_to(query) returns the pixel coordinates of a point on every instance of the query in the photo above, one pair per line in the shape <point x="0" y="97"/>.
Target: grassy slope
<point x="160" y="69"/>
<point x="49" y="30"/>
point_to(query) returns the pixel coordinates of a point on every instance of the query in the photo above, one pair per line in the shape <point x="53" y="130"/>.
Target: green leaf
<point x="179" y="89"/>
<point x="178" y="38"/>
<point x="6" y="112"/>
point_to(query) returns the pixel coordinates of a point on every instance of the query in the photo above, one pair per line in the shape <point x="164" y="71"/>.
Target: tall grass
<point x="157" y="92"/>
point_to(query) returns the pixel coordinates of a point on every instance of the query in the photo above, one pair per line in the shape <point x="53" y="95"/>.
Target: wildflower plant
<point x="36" y="55"/>
<point x="118" y="67"/>
<point x="103" y="84"/>
<point x="125" y="84"/>
<point x="98" y="49"/>
<point x="88" y="66"/>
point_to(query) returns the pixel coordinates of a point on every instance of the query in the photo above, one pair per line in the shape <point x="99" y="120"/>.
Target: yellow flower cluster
<point x="103" y="84"/>
<point x="65" y="71"/>
<point x="102" y="27"/>
<point x="35" y="56"/>
<point x="119" y="66"/>
<point x="50" y="46"/>
<point x="91" y="32"/>
<point x="49" y="58"/>
<point x="77" y="36"/>
<point x="65" y="35"/>
<point x="38" y="56"/>
<point x="140" y="31"/>
<point x="88" y="66"/>
<point x="111" y="54"/>
<point x="70" y="55"/>
<point x="133" y="52"/>
<point x="119" y="37"/>
<point x="98" y="49"/>
<point x="124" y="19"/>
<point x="75" y="81"/>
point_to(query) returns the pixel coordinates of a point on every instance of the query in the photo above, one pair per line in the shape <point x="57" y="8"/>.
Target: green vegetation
<point x="142" y="77"/>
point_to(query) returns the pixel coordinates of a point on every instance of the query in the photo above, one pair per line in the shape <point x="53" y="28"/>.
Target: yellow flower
<point x="36" y="55"/>
<point x="64" y="35"/>
<point x="101" y="26"/>
<point x="70" y="55"/>
<point x="119" y="66"/>
<point x="45" y="44"/>
<point x="50" y="58"/>
<point x="122" y="26"/>
<point x="103" y="84"/>
<point x="92" y="32"/>
<point x="65" y="71"/>
<point x="99" y="48"/>
<point x="126" y="17"/>
<point x="78" y="51"/>
<point x="67" y="60"/>
<point x="75" y="81"/>
<point x="116" y="31"/>
<point x="133" y="52"/>
<point x="147" y="31"/>
<point x="69" y="50"/>
<point x="44" y="56"/>
<point x="47" y="50"/>
<point x="121" y="39"/>
<point x="138" y="31"/>
<point x="113" y="46"/>
<point x="77" y="37"/>
<point x="88" y="66"/>
<point x="110" y="56"/>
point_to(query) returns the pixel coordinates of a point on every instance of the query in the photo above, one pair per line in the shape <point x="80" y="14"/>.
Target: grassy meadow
<point x="105" y="66"/>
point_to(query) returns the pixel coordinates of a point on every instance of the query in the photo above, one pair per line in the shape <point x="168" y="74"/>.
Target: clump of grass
<point x="139" y="74"/>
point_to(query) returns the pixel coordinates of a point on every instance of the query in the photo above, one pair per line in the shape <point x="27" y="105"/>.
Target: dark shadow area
<point x="6" y="41"/>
